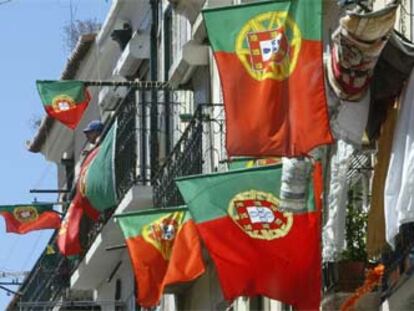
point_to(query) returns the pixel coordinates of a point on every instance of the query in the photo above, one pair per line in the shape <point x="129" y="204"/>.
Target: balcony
<point x="136" y="51"/>
<point x="48" y="278"/>
<point x="185" y="159"/>
<point x="194" y="151"/>
<point x="191" y="9"/>
<point x="191" y="55"/>
<point x="188" y="8"/>
<point x="110" y="97"/>
<point x="97" y="264"/>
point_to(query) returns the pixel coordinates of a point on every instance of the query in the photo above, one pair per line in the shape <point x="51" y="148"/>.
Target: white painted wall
<point x="105" y="291"/>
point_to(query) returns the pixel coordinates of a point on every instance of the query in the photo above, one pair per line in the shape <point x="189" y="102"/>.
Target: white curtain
<point x="399" y="184"/>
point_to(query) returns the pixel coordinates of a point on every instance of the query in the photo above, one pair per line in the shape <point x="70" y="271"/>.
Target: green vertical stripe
<point x="48" y="90"/>
<point x="100" y="176"/>
<point x="224" y="24"/>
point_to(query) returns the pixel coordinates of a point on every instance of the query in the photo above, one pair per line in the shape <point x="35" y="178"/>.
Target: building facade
<point x="164" y="132"/>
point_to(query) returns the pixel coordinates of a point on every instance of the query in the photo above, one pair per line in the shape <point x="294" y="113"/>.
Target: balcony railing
<point x="190" y="154"/>
<point x="126" y="144"/>
<point x="47" y="279"/>
<point x="185" y="159"/>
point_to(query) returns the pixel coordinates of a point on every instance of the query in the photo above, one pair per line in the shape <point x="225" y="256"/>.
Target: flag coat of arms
<point x="64" y="101"/>
<point x="25" y="218"/>
<point x="269" y="57"/>
<point x="164" y="248"/>
<point x="257" y="248"/>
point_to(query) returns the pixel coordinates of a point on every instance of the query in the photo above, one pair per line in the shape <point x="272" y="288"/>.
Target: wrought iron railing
<point x="51" y="274"/>
<point x="185" y="159"/>
<point x="47" y="280"/>
<point x="190" y="154"/>
<point x="126" y="144"/>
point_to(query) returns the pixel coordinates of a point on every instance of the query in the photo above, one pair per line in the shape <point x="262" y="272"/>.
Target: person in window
<point x="93" y="131"/>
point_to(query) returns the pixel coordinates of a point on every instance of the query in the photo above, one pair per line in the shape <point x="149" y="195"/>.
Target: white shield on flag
<point x="270" y="47"/>
<point x="260" y="214"/>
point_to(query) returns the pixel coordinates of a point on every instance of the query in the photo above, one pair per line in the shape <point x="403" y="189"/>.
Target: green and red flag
<point x="269" y="57"/>
<point x="64" y="101"/>
<point x="164" y="248"/>
<point x="95" y="191"/>
<point x="257" y="248"/>
<point x="97" y="182"/>
<point x="68" y="240"/>
<point x="25" y="218"/>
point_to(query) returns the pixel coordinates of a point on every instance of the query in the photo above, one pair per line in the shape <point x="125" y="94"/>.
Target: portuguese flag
<point x="67" y="240"/>
<point x="258" y="249"/>
<point x="25" y="218"/>
<point x="164" y="249"/>
<point x="95" y="192"/>
<point x="97" y="183"/>
<point x="269" y="57"/>
<point x="64" y="101"/>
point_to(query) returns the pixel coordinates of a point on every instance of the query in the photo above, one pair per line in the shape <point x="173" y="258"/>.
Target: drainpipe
<point x="154" y="144"/>
<point x="167" y="65"/>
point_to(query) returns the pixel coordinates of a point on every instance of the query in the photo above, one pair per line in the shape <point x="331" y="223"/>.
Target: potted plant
<point x="351" y="267"/>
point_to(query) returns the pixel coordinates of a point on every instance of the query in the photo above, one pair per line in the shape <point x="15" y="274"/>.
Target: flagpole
<point x="10" y="291"/>
<point x="115" y="247"/>
<point x="139" y="85"/>
<point x="49" y="191"/>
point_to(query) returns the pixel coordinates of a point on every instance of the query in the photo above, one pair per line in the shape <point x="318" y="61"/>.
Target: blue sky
<point x="31" y="47"/>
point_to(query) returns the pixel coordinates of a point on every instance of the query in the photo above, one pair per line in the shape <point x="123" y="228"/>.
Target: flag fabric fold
<point x="68" y="239"/>
<point x="240" y="163"/>
<point x="164" y="248"/>
<point x="95" y="192"/>
<point x="98" y="183"/>
<point x="64" y="101"/>
<point x="257" y="248"/>
<point x="269" y="57"/>
<point x="22" y="218"/>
